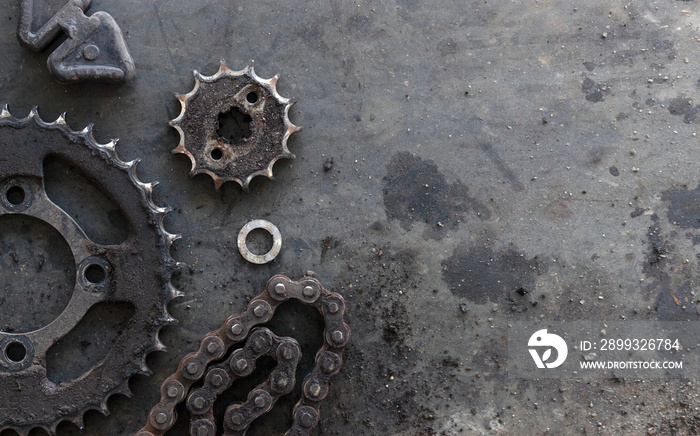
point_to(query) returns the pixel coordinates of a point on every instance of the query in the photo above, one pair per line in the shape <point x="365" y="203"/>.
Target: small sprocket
<point x="137" y="271"/>
<point x="258" y="101"/>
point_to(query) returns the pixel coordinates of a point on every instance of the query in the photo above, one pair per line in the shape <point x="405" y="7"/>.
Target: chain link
<point x="259" y="341"/>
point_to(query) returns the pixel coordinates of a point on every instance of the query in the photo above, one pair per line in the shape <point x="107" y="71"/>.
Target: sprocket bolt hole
<point x="95" y="274"/>
<point x="251" y="97"/>
<point x="15" y="195"/>
<point x="216" y="154"/>
<point x="15" y="351"/>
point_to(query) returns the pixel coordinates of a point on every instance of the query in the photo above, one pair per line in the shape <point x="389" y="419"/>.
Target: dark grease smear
<point x="691" y="114"/>
<point x="673" y="304"/>
<point x="414" y="190"/>
<point x="594" y="91"/>
<point x="638" y="211"/>
<point x="682" y="105"/>
<point x="482" y="275"/>
<point x="658" y="248"/>
<point x="679" y="105"/>
<point x="672" y="298"/>
<point x="684" y="207"/>
<point x="447" y="47"/>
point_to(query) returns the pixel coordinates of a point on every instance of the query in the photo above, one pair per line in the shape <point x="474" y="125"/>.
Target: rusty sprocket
<point x="137" y="270"/>
<point x="252" y="96"/>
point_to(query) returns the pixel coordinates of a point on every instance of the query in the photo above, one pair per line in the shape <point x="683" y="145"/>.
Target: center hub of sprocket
<point x="137" y="270"/>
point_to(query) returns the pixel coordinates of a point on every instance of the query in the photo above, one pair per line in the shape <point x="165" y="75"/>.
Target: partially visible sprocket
<point x="253" y="97"/>
<point x="137" y="270"/>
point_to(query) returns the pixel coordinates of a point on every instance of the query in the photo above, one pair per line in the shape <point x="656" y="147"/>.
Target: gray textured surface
<point x="478" y="149"/>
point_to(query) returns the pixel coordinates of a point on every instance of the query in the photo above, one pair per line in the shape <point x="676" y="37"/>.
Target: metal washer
<point x="259" y="258"/>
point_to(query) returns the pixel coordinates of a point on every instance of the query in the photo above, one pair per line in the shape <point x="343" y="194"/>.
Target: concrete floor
<point x="478" y="149"/>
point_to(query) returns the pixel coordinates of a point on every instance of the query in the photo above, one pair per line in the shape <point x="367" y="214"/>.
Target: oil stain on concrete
<point x="657" y="254"/>
<point x="672" y="297"/>
<point x="683" y="106"/>
<point x="414" y="190"/>
<point x="683" y="208"/>
<point x="481" y="275"/>
<point x="594" y="92"/>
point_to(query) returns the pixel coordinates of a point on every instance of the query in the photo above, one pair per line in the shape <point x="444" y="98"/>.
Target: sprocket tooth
<point x="107" y="147"/>
<point x="223" y="68"/>
<point x="158" y="345"/>
<point x="166" y="319"/>
<point x="217" y="184"/>
<point x="180" y="145"/>
<point x="5" y="113"/>
<point x="102" y="407"/>
<point x="125" y="390"/>
<point x="78" y="421"/>
<point x="175" y="293"/>
<point x="61" y="120"/>
<point x="170" y="237"/>
<point x="87" y="130"/>
<point x="142" y="367"/>
<point x="160" y="210"/>
<point x="254" y="75"/>
<point x="34" y="115"/>
<point x="52" y="430"/>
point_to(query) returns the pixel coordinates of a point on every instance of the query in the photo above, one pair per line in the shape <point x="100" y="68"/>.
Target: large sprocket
<point x="251" y="95"/>
<point x="137" y="270"/>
